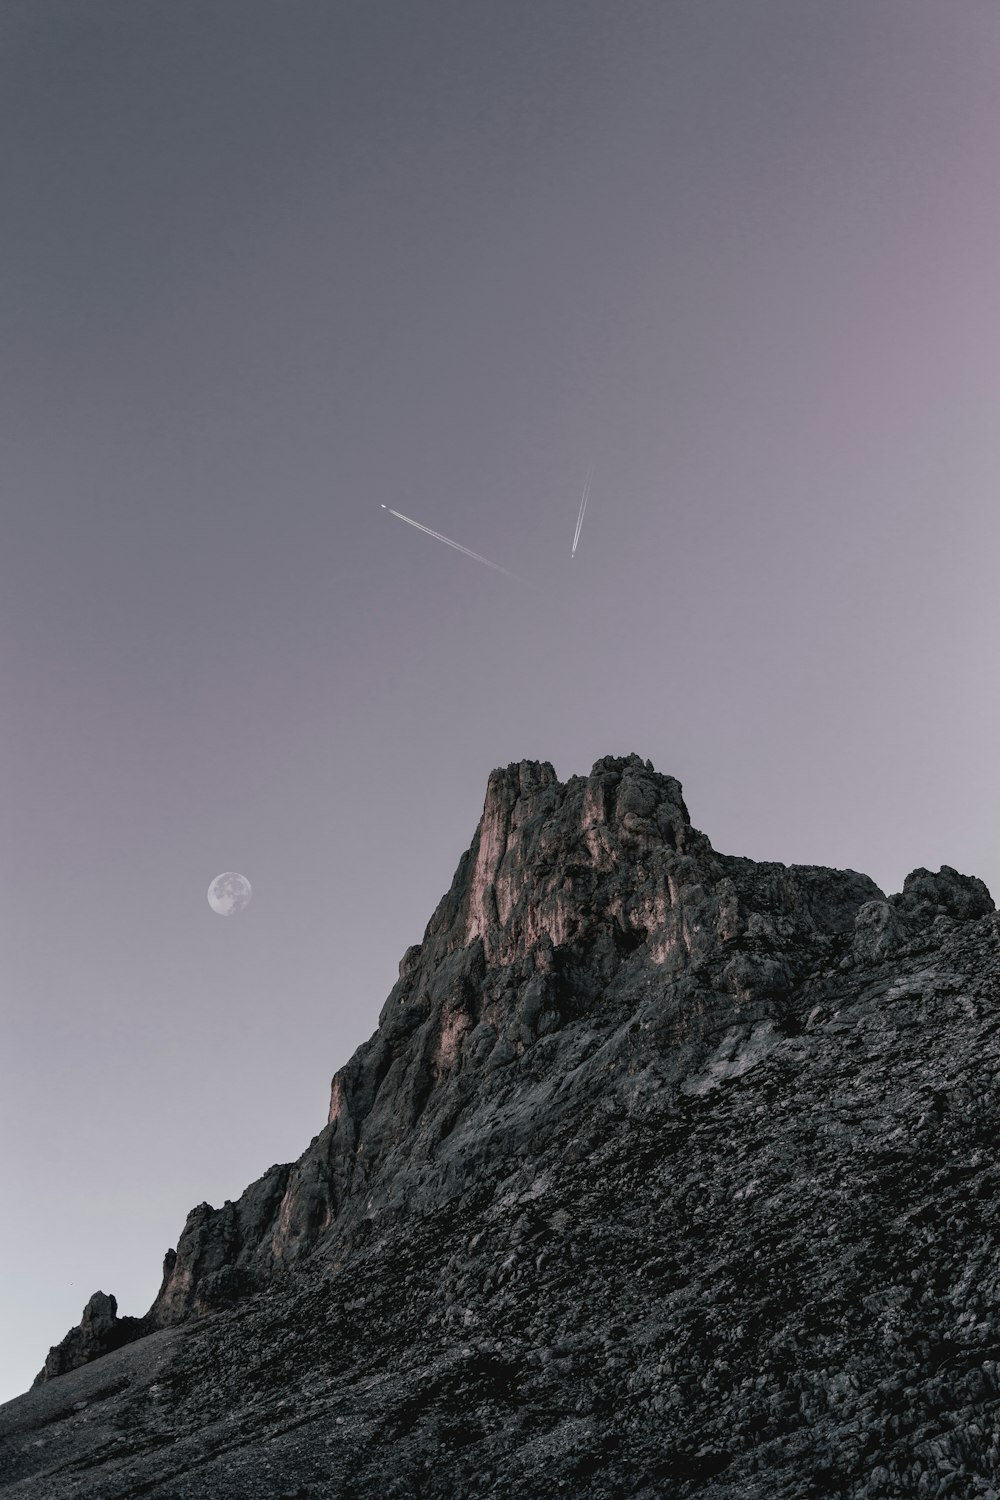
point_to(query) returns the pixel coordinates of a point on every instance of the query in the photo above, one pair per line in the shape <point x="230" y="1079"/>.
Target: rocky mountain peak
<point x="543" y="847"/>
<point x="584" y="914"/>
<point x="595" y="973"/>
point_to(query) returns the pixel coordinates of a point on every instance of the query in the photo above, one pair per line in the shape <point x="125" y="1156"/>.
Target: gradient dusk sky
<point x="267" y="267"/>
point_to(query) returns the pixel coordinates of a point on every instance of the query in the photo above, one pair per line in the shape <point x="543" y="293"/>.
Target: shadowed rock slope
<point x="665" y="1173"/>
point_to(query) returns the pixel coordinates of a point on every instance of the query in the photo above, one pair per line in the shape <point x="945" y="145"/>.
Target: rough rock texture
<point x="99" y="1331"/>
<point x="665" y="1173"/>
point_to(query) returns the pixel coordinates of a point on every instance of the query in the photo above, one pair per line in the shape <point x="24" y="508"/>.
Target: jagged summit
<point x="581" y="910"/>
<point x="595" y="973"/>
<point x="590" y="903"/>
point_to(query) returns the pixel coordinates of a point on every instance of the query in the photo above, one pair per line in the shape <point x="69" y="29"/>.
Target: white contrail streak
<point x="448" y="542"/>
<point x="583" y="508"/>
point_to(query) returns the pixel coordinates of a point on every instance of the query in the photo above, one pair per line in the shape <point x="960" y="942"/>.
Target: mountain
<point x="665" y="1173"/>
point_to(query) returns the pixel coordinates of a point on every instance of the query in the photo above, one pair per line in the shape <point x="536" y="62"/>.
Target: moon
<point x="229" y="893"/>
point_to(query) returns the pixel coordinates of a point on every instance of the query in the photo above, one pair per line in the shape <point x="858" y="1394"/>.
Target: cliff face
<point x="637" y="1126"/>
<point x="588" y="928"/>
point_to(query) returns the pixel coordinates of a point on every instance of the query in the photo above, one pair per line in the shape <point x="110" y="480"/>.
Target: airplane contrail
<point x="583" y="507"/>
<point x="457" y="545"/>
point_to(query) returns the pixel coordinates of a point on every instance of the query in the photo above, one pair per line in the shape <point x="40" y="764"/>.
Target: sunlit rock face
<point x="649" y="1148"/>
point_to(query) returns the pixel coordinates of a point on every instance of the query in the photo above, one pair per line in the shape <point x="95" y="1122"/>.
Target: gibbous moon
<point x="229" y="893"/>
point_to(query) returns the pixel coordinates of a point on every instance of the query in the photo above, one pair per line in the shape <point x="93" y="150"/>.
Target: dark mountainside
<point x="666" y="1173"/>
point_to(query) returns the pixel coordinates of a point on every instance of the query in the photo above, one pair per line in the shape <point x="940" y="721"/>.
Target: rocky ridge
<point x="666" y="1172"/>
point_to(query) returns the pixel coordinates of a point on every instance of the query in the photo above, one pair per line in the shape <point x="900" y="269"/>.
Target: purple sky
<point x="267" y="267"/>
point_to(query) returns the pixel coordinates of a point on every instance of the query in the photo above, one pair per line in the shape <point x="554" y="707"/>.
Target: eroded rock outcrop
<point x="99" y="1331"/>
<point x="582" y="915"/>
<point x="664" y="1172"/>
<point x="581" y="912"/>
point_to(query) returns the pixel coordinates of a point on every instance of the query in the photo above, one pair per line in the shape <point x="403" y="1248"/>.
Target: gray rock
<point x="665" y="1173"/>
<point x="926" y="896"/>
<point x="99" y="1331"/>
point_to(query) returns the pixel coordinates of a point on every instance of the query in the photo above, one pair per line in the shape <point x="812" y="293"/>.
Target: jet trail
<point x="583" y="507"/>
<point x="457" y="545"/>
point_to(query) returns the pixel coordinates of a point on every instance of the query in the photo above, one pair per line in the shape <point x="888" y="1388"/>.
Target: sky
<point x="266" y="268"/>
